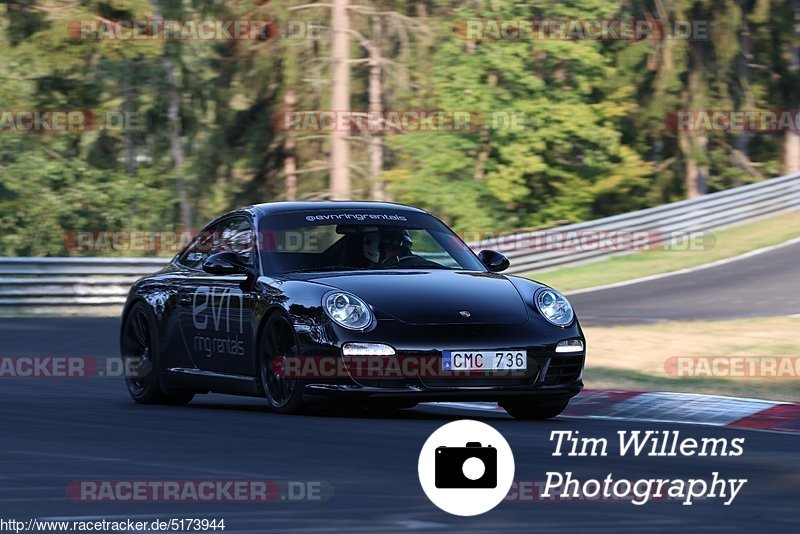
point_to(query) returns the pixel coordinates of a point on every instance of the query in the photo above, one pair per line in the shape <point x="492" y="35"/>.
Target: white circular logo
<point x="466" y="467"/>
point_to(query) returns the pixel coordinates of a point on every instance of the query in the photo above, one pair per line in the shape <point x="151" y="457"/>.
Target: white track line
<point x="687" y="270"/>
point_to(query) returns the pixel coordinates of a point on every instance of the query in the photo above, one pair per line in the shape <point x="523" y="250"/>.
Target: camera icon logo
<point x="466" y="467"/>
<point x="472" y="466"/>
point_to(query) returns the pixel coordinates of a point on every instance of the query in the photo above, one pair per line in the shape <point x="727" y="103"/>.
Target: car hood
<point x="435" y="296"/>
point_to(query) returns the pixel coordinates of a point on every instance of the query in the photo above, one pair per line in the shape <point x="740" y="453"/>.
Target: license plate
<point x="486" y="360"/>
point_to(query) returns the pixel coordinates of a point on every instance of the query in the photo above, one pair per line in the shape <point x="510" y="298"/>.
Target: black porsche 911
<point x="378" y="303"/>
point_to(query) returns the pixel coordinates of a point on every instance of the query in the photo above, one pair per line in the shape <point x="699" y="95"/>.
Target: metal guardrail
<point x="100" y="285"/>
<point x="661" y="223"/>
<point x="70" y="285"/>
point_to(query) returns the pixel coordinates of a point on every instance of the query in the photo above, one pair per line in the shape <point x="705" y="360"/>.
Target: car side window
<point x="229" y="235"/>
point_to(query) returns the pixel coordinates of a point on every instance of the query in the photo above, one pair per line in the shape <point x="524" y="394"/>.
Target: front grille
<point x="486" y="379"/>
<point x="366" y="376"/>
<point x="401" y="383"/>
<point x="563" y="369"/>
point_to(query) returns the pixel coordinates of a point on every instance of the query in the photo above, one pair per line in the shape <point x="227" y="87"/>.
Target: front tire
<point x="530" y="410"/>
<point x="139" y="346"/>
<point x="278" y="342"/>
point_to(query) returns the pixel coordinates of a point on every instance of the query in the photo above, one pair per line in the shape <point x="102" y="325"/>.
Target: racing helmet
<point x="397" y="237"/>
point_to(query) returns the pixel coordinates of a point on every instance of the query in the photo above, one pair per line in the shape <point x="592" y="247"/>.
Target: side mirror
<point x="494" y="261"/>
<point x="225" y="263"/>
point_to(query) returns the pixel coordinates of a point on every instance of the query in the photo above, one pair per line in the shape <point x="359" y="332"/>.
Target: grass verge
<point x="727" y="243"/>
<point x="635" y="357"/>
<point x="607" y="378"/>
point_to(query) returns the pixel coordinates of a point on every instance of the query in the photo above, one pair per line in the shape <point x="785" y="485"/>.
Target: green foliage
<point x="567" y="161"/>
<point x="589" y="140"/>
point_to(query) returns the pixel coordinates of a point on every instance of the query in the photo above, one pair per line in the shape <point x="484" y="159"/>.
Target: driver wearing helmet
<point x="395" y="246"/>
<point x="389" y="247"/>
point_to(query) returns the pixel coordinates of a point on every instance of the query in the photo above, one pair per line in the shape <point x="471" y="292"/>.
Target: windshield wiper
<point x="419" y="267"/>
<point x="326" y="269"/>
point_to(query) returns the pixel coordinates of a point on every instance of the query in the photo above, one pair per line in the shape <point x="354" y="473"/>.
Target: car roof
<point x="269" y="208"/>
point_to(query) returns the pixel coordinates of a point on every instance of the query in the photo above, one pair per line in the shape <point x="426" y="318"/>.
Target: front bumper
<point x="549" y="375"/>
<point x="460" y="394"/>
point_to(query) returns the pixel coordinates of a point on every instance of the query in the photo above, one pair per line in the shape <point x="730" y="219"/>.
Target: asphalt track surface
<point x="766" y="284"/>
<point x="57" y="430"/>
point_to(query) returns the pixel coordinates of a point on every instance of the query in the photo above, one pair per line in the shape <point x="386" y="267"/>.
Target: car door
<point x="216" y="311"/>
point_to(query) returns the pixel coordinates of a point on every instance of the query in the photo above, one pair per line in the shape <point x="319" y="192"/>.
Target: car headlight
<point x="347" y="310"/>
<point x="554" y="307"/>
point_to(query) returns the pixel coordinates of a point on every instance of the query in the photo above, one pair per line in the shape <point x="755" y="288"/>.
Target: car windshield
<point x="346" y="240"/>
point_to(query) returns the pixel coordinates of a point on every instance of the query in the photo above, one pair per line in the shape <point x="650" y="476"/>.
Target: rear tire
<point x="529" y="410"/>
<point x="139" y="343"/>
<point x="278" y="341"/>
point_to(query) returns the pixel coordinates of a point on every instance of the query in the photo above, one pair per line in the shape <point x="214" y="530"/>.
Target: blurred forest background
<point x="594" y="142"/>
